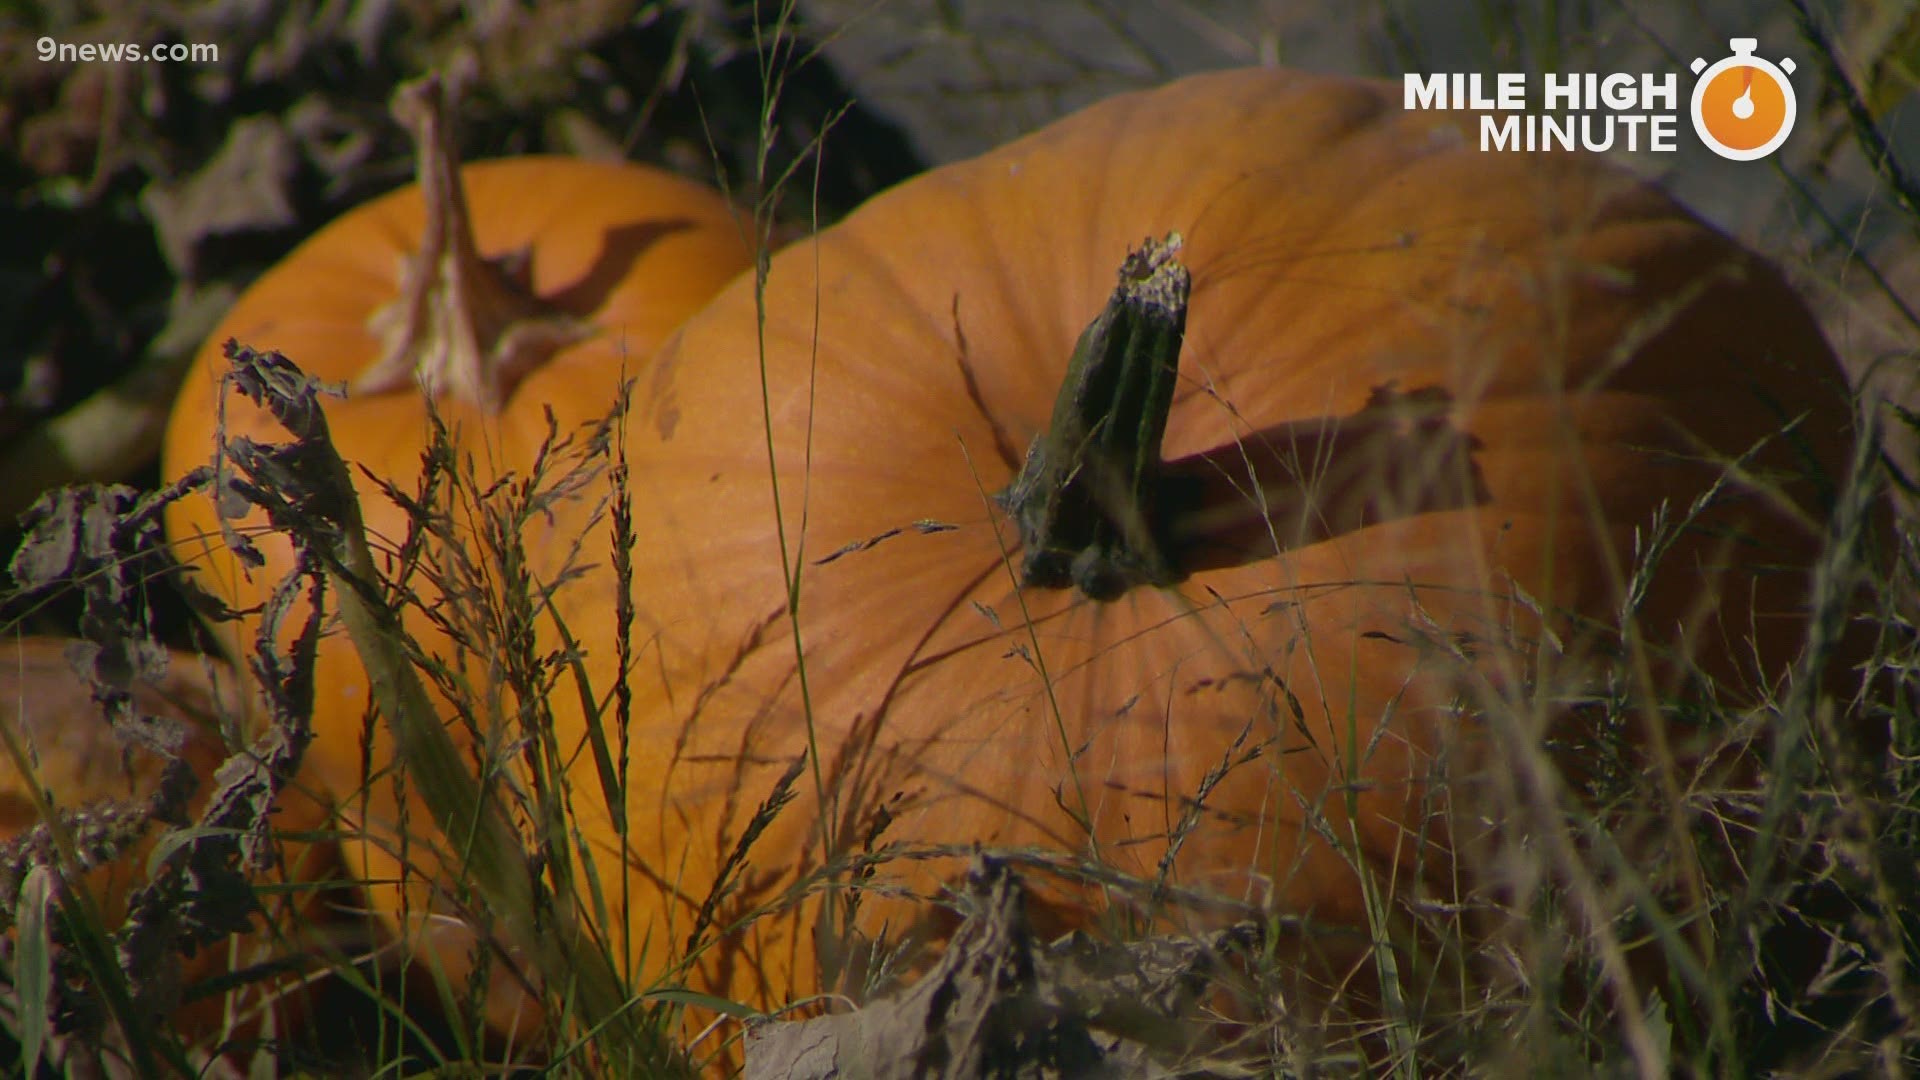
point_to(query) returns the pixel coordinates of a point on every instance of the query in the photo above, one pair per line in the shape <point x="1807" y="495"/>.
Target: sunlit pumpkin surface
<point x="1464" y="380"/>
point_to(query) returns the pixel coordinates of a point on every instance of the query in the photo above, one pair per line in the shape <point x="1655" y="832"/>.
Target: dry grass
<point x="1787" y="946"/>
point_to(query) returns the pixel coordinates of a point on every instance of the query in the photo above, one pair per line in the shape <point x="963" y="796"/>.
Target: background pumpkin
<point x="1452" y="373"/>
<point x="83" y="766"/>
<point x="505" y="288"/>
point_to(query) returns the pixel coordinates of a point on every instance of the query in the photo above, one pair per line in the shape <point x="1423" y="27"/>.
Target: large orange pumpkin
<point x="1428" y="398"/>
<point x="492" y="291"/>
<point x="105" y="785"/>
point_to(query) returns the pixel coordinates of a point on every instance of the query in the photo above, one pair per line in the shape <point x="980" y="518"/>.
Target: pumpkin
<point x="1426" y="400"/>
<point x="487" y="293"/>
<point x="106" y="783"/>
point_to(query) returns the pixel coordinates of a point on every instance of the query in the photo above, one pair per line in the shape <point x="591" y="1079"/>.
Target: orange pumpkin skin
<point x="625" y="250"/>
<point x="80" y="763"/>
<point x="1583" y="338"/>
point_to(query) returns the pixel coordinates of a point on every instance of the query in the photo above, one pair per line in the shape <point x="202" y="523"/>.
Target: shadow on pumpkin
<point x="1308" y="481"/>
<point x="622" y="247"/>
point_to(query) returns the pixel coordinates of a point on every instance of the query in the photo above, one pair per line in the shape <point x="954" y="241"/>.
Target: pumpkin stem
<point x="463" y="325"/>
<point x="1087" y="500"/>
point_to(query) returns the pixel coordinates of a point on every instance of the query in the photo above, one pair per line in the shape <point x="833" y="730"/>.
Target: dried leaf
<point x="243" y="189"/>
<point x="999" y="1004"/>
<point x="104" y="542"/>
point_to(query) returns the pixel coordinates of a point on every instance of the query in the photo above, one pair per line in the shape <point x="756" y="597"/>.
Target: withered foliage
<point x="104" y="543"/>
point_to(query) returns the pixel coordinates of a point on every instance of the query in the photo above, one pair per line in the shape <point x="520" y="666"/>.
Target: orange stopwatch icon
<point x="1743" y="106"/>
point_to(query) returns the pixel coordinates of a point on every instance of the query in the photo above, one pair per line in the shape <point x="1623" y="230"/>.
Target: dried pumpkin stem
<point x="463" y="326"/>
<point x="1087" y="499"/>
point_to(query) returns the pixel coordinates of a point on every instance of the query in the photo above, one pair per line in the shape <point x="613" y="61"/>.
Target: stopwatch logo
<point x="1743" y="106"/>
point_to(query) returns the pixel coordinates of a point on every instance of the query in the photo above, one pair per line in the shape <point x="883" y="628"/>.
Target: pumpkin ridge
<point x="913" y="659"/>
<point x="1023" y="323"/>
<point x="877" y="270"/>
<point x="1004" y="446"/>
